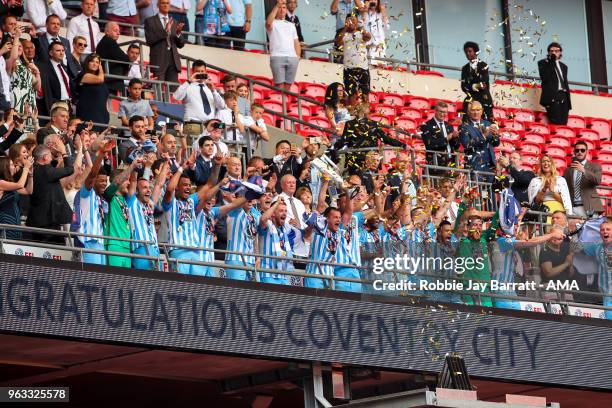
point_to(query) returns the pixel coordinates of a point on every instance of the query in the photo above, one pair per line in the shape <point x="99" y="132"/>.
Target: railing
<point x="397" y="275"/>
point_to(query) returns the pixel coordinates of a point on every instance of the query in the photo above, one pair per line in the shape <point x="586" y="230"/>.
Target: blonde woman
<point x="550" y="189"/>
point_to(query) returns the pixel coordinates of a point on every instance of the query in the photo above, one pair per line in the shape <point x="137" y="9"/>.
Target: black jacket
<point x="108" y="48"/>
<point x="41" y="57"/>
<point x="290" y="166"/>
<point x="48" y="205"/>
<point x="521" y="178"/>
<point x="51" y="84"/>
<point x="296" y="21"/>
<point x="471" y="77"/>
<point x="5" y="9"/>
<point x="433" y="137"/>
<point x="550" y="81"/>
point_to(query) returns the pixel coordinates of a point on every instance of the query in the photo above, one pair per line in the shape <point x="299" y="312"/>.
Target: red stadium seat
<point x="373" y="97"/>
<point x="410" y="113"/>
<point x="392" y="99"/>
<point x="294" y="111"/>
<point x="601" y="126"/>
<point x="406" y="123"/>
<point x="530" y="160"/>
<point x="531" y="148"/>
<point x="587" y="134"/>
<point x="428" y="114"/>
<point x="418" y="102"/>
<point x="606" y="179"/>
<point x="563" y="131"/>
<point x="258" y="94"/>
<point x="380" y="118"/>
<point x="575" y="121"/>
<point x="273" y="106"/>
<point x="560" y="141"/>
<point x="556" y="151"/>
<point x="524" y="115"/>
<point x="559" y="164"/>
<point x="318" y="121"/>
<point x="605" y="147"/>
<point x="385" y="110"/>
<point x="314" y="90"/>
<point x="534" y="138"/>
<point x="499" y="113"/>
<point x="278" y="97"/>
<point x="269" y="119"/>
<point x="509" y="135"/>
<point x="535" y="127"/>
<point x="512" y="124"/>
<point x="605" y="157"/>
<point x="310" y="132"/>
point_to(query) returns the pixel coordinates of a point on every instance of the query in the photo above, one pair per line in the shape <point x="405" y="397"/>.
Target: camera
<point x="218" y="125"/>
<point x="575" y="159"/>
<point x="201" y="76"/>
<point x="372" y="4"/>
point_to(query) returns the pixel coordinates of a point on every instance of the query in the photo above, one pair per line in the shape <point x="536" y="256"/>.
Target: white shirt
<point x="232" y="135"/>
<point x="134" y="72"/>
<point x="189" y="93"/>
<point x="181" y="4"/>
<point x="79" y="26"/>
<point x="37" y="11"/>
<point x="300" y="247"/>
<point x="6" y="80"/>
<point x="282" y="39"/>
<point x="355" y="51"/>
<point x="161" y="19"/>
<point x="64" y="94"/>
<point x="222" y="147"/>
<point x="560" y="187"/>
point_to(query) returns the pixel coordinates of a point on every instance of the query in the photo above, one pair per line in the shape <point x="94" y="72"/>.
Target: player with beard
<point x="275" y="240"/>
<point x="141" y="201"/>
<point x="179" y="206"/>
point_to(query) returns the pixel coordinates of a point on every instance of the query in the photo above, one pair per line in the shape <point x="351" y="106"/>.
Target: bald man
<point x="108" y="48"/>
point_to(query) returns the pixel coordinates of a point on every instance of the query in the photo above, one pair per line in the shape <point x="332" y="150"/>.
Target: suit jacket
<point x="108" y="48"/>
<point x="550" y="81"/>
<point x="521" y="178"/>
<point x="158" y="41"/>
<point x="51" y="84"/>
<point x="48" y="205"/>
<point x="433" y="137"/>
<point x="479" y="151"/>
<point x="291" y="166"/>
<point x="591" y="178"/>
<point x="41" y="43"/>
<point x="470" y="77"/>
<point x="201" y="173"/>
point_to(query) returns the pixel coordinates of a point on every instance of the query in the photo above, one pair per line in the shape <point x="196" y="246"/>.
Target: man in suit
<point x="57" y="79"/>
<point x="439" y="136"/>
<point x="286" y="161"/>
<point x="479" y="137"/>
<point x="555" y="95"/>
<point x="475" y="81"/>
<point x="48" y="205"/>
<point x="293" y="18"/>
<point x="164" y="38"/>
<point x="582" y="178"/>
<point x="42" y="42"/>
<point x="108" y="48"/>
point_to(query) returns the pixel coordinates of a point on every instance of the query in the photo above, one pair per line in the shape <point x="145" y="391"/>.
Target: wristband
<point x="180" y="170"/>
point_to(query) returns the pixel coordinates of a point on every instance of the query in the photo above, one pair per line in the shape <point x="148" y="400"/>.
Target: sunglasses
<point x="81" y="44"/>
<point x="580" y="150"/>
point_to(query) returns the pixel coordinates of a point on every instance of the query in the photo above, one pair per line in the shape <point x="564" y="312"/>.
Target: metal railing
<point x="397" y="275"/>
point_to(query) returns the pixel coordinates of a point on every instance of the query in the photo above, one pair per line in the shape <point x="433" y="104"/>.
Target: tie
<point x="164" y="21"/>
<point x="443" y="128"/>
<point x="205" y="102"/>
<point x="559" y="76"/>
<point x="577" y="187"/>
<point x="294" y="210"/>
<point x="92" y="43"/>
<point x="65" y="79"/>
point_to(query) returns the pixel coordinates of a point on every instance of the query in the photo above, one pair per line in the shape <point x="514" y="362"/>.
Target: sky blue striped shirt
<point x="181" y="221"/>
<point x="91" y="215"/>
<point x="241" y="233"/>
<point x="274" y="241"/>
<point x="324" y="247"/>
<point x="206" y="227"/>
<point x="503" y="258"/>
<point x="141" y="221"/>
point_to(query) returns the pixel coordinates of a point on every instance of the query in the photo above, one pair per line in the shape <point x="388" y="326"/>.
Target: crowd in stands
<point x="330" y="205"/>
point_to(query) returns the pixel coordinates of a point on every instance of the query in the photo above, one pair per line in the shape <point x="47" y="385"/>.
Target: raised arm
<point x="91" y="177"/>
<point x="263" y="220"/>
<point x="271" y="17"/>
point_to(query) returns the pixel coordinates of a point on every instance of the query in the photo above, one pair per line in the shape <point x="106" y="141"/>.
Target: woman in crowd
<point x="549" y="189"/>
<point x="211" y="19"/>
<point x="335" y="108"/>
<point x="285" y="47"/>
<point x="9" y="202"/>
<point x="305" y="196"/>
<point x="92" y="91"/>
<point x="375" y="21"/>
<point x="25" y="83"/>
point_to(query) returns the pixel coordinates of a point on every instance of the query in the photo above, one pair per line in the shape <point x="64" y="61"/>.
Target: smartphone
<point x="201" y="76"/>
